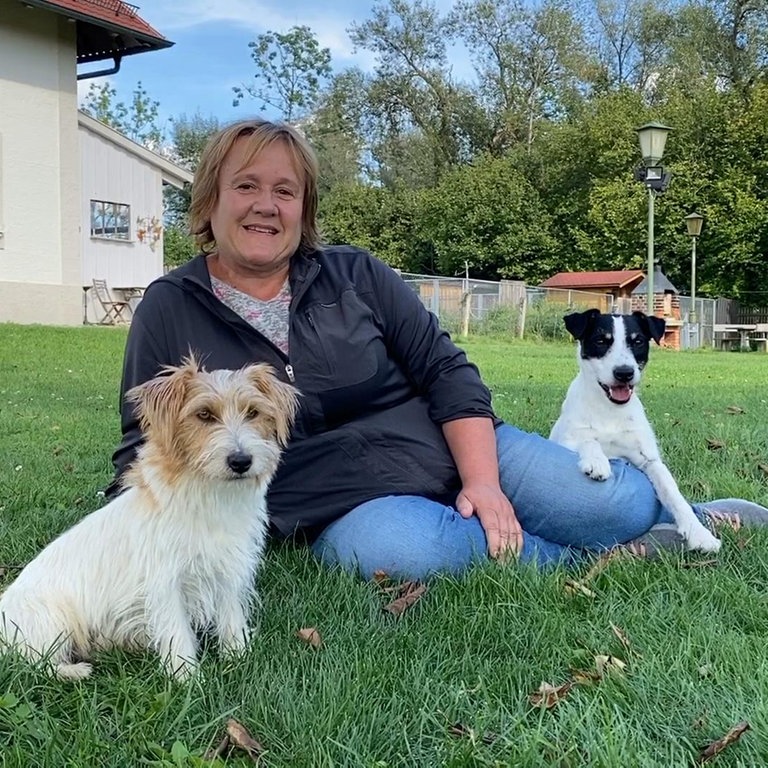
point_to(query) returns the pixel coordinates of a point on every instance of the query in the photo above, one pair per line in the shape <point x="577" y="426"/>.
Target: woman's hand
<point x="496" y="515"/>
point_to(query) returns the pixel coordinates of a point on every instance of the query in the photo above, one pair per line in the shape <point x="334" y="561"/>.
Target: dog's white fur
<point x="177" y="551"/>
<point x="599" y="430"/>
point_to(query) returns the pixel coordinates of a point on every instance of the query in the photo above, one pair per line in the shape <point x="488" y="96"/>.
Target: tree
<point x="291" y="69"/>
<point x="413" y="101"/>
<point x="137" y="120"/>
<point x="189" y="136"/>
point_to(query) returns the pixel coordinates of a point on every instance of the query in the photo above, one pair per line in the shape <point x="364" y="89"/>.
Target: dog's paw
<point x="179" y="668"/>
<point x="236" y="643"/>
<point x="699" y="538"/>
<point x="596" y="467"/>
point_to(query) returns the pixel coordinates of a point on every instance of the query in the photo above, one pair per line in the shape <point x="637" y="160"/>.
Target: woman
<point x="397" y="461"/>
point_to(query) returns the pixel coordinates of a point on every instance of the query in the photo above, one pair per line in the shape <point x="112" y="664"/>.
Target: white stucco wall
<point x="40" y="274"/>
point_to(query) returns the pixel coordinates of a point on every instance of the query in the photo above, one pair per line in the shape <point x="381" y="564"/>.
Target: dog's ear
<point x="159" y="401"/>
<point x="653" y="327"/>
<point x="284" y="396"/>
<point x="578" y="323"/>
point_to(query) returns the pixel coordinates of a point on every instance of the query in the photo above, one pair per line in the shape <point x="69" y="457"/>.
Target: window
<point x="110" y="220"/>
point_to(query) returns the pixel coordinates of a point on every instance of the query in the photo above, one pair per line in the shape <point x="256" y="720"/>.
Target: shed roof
<point x="171" y="173"/>
<point x="586" y="280"/>
<point x="106" y="29"/>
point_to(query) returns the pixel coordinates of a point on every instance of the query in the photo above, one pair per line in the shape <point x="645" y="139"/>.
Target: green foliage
<point x="291" y="68"/>
<point x="138" y="120"/>
<point x="178" y="246"/>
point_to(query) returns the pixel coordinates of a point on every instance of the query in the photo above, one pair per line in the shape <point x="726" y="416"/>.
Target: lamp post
<point x="652" y="137"/>
<point x="694" y="222"/>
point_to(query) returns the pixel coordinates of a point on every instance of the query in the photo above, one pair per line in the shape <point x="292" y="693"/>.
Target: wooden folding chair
<point x="113" y="310"/>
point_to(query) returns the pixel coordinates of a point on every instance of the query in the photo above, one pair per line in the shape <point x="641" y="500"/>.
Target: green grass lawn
<point x="447" y="683"/>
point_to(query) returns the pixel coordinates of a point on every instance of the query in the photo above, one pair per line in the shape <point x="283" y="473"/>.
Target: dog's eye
<point x="251" y="413"/>
<point x="204" y="415"/>
<point x="637" y="342"/>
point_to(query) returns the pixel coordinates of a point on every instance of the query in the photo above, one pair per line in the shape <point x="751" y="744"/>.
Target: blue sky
<point x="211" y="51"/>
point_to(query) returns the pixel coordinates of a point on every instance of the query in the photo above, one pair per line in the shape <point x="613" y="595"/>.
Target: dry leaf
<point x="601" y="562"/>
<point x="549" y="696"/>
<point x="310" y="636"/>
<point x="240" y="738"/>
<point x="461" y="731"/>
<point x="734" y="409"/>
<point x="409" y="592"/>
<point x="219" y="750"/>
<point x="716" y="747"/>
<point x="609" y="664"/>
<point x="624" y="640"/>
<point x="380" y="577"/>
<point x="585" y="677"/>
<point x="763" y="467"/>
<point x="714" y="445"/>
<point x="573" y="588"/>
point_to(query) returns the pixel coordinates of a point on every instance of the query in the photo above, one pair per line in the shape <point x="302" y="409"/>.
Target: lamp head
<point x="694" y="222"/>
<point x="652" y="137"/>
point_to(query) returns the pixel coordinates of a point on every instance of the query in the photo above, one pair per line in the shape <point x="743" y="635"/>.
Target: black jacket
<point x="377" y="376"/>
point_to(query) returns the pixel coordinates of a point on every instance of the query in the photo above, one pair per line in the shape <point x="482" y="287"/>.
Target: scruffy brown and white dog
<point x="177" y="551"/>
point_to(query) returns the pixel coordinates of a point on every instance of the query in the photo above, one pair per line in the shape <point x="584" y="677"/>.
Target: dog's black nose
<point x="623" y="373"/>
<point x="239" y="462"/>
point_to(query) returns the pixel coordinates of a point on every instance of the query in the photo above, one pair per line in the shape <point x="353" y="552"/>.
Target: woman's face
<point x="257" y="219"/>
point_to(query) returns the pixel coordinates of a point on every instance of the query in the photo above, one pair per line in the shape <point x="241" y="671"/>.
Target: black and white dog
<point x="603" y="419"/>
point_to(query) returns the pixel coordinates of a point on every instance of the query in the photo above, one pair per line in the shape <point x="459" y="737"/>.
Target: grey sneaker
<point x="733" y="512"/>
<point x="662" y="537"/>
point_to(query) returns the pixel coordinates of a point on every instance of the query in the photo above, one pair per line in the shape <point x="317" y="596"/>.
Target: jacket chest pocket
<point x="344" y="342"/>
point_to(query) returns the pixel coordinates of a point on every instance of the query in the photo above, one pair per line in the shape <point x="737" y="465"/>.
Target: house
<point x="628" y="289"/>
<point x="617" y="283"/>
<point x="77" y="200"/>
<point x="121" y="233"/>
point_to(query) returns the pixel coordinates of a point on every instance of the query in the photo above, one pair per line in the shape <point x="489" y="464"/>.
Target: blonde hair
<point x="261" y="134"/>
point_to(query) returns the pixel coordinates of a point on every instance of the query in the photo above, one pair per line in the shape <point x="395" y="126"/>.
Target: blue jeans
<point x="564" y="514"/>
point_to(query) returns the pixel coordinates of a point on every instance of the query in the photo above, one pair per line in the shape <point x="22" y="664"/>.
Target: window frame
<point x="115" y="221"/>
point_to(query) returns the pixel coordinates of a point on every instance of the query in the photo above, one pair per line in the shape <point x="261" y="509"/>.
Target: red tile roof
<point x="584" y="280"/>
<point x="105" y="28"/>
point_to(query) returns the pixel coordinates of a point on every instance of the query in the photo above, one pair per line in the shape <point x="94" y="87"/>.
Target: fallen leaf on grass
<point x="380" y="577"/>
<point x="714" y="445"/>
<point x="763" y="467"/>
<point x="624" y="640"/>
<point x="716" y="747"/>
<point x="549" y="696"/>
<point x="461" y="731"/>
<point x="734" y="409"/>
<point x="409" y="592"/>
<point x="601" y="562"/>
<point x="240" y="738"/>
<point x="310" y="636"/>
<point x="573" y="588"/>
<point x="585" y="677"/>
<point x="609" y="665"/>
<point x="218" y="750"/>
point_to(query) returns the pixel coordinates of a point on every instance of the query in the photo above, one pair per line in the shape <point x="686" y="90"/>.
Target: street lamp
<point x="694" y="222"/>
<point x="652" y="137"/>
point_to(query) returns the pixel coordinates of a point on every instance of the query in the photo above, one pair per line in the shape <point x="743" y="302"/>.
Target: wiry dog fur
<point x="602" y="420"/>
<point x="177" y="551"/>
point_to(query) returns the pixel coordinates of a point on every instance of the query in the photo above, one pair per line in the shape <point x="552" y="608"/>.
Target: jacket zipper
<point x="289" y="371"/>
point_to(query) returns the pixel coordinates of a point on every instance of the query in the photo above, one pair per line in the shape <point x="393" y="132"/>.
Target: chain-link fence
<point x="486" y="307"/>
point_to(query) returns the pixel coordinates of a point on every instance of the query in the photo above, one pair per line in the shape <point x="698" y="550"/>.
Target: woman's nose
<point x="264" y="203"/>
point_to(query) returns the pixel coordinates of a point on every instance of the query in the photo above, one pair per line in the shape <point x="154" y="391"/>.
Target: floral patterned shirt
<point x="268" y="317"/>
